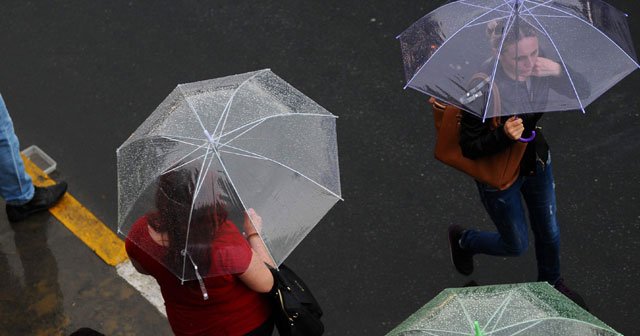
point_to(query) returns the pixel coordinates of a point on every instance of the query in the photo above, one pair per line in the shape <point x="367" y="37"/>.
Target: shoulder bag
<point x="499" y="170"/>
<point x="296" y="310"/>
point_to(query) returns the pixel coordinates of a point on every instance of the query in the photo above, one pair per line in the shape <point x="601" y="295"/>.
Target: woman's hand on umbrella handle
<point x="513" y="128"/>
<point x="252" y="222"/>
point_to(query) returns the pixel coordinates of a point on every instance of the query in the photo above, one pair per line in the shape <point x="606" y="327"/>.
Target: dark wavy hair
<point x="190" y="227"/>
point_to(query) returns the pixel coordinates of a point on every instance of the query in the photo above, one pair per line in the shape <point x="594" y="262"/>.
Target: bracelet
<point x="252" y="234"/>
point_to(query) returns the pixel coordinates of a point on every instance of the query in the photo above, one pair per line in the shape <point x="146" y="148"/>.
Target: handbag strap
<point x="436" y="105"/>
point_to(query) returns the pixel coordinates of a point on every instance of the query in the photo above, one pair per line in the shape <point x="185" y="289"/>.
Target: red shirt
<point x="232" y="308"/>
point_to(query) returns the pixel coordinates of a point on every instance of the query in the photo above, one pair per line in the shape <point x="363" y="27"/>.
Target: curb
<point x="98" y="237"/>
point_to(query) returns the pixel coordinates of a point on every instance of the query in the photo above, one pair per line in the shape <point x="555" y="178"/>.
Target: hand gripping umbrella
<point x="249" y="141"/>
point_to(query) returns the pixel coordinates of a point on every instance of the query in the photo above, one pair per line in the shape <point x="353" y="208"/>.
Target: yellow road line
<point x="79" y="220"/>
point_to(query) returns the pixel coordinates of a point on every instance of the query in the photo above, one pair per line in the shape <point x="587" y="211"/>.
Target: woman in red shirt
<point x="227" y="297"/>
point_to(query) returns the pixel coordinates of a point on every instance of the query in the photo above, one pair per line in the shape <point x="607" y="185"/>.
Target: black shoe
<point x="575" y="297"/>
<point x="43" y="199"/>
<point x="462" y="260"/>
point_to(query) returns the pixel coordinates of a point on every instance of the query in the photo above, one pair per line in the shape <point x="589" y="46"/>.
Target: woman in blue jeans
<point x="523" y="79"/>
<point x="16" y="188"/>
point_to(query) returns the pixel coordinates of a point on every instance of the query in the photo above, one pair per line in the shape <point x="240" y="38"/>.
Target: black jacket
<point x="477" y="139"/>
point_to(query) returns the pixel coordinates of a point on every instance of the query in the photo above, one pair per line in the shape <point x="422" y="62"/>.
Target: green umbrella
<point x="514" y="309"/>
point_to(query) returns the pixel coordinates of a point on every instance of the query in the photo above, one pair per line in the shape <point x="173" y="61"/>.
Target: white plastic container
<point x="40" y="159"/>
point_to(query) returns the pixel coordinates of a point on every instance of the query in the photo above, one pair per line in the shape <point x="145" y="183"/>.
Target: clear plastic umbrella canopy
<point x="231" y="144"/>
<point x="531" y="55"/>
<point x="501" y="310"/>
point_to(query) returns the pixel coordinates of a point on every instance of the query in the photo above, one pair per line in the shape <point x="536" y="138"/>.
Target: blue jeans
<point x="15" y="184"/>
<point x="505" y="207"/>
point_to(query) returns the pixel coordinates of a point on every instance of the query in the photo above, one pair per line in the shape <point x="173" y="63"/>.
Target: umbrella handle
<point x="529" y="139"/>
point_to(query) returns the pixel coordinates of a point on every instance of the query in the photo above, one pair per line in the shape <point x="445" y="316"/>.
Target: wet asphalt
<point x="80" y="76"/>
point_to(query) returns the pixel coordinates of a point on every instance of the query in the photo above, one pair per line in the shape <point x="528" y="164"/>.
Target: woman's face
<point x="520" y="58"/>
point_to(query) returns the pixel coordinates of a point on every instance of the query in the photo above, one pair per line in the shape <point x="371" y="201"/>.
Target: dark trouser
<point x="509" y="216"/>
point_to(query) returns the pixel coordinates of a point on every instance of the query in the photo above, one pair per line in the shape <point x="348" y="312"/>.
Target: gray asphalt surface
<point x="80" y="76"/>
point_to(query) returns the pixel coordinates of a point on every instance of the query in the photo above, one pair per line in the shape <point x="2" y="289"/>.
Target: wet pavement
<point x="52" y="284"/>
<point x="80" y="76"/>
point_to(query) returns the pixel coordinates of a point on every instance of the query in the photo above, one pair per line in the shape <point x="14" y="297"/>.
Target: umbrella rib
<point x="240" y="198"/>
<point x="431" y="332"/>
<point x="495" y="67"/>
<point x="201" y="182"/>
<point x="501" y="309"/>
<point x="225" y="112"/>
<point x="485" y="22"/>
<point x="422" y="330"/>
<point x="168" y="137"/>
<point x="509" y="3"/>
<point x="558" y="318"/>
<point x="466" y="313"/>
<point x="523" y="15"/>
<point x="538" y="4"/>
<point x="531" y="24"/>
<point x="276" y="116"/>
<point x="564" y="65"/>
<point x="286" y="167"/>
<point x="449" y="39"/>
<point x="184" y="157"/>
<point x="184" y="137"/>
<point x="483" y="7"/>
<point x="162" y="137"/>
<point x="193" y="202"/>
<point x="548" y="15"/>
<point x="182" y="165"/>
<point x="227" y="108"/>
<point x="245" y="131"/>
<point x="245" y="155"/>
<point x="594" y="27"/>
<point x="191" y="107"/>
<point x="155" y="137"/>
<point x="439" y="98"/>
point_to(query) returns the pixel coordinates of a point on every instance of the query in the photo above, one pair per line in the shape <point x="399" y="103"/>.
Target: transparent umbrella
<point x="532" y="55"/>
<point x="248" y="141"/>
<point x="501" y="310"/>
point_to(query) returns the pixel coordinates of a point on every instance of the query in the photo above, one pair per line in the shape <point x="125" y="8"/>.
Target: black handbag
<point x="296" y="310"/>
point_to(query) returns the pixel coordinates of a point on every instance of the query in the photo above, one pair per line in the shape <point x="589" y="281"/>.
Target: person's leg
<point x="540" y="196"/>
<point x="506" y="211"/>
<point x="21" y="196"/>
<point x="15" y="184"/>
